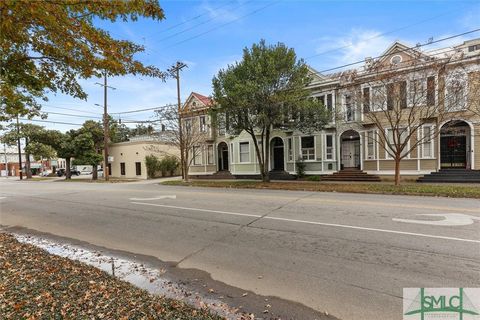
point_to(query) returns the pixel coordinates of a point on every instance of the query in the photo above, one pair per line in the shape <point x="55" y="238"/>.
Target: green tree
<point x="141" y="130"/>
<point x="47" y="46"/>
<point x="66" y="149"/>
<point x="92" y="130"/>
<point x="267" y="89"/>
<point x="119" y="132"/>
<point x="33" y="134"/>
<point x="40" y="151"/>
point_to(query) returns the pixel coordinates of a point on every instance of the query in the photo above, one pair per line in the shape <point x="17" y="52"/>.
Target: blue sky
<point x="362" y="28"/>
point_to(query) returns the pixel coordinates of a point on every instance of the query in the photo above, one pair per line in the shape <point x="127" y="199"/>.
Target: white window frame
<point x="290" y="149"/>
<point x="421" y="101"/>
<point x="309" y="154"/>
<point x="332" y="152"/>
<point x="387" y="155"/>
<point x="378" y="90"/>
<point x="325" y="99"/>
<point x="199" y="155"/>
<point x="352" y="104"/>
<point x="370" y="107"/>
<point x="425" y="142"/>
<point x="202" y="126"/>
<point x="240" y="143"/>
<point x="465" y="89"/>
<point x="374" y="155"/>
<point x="210" y="157"/>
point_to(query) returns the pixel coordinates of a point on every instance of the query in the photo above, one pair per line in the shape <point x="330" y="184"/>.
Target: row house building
<point x="445" y="137"/>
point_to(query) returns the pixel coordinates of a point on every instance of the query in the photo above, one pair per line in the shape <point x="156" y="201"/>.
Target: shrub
<point x="300" y="168"/>
<point x="152" y="163"/>
<point x="313" y="178"/>
<point x="168" y="164"/>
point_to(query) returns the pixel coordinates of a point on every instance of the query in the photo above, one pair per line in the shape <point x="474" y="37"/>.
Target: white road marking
<point x="313" y="222"/>
<point x="450" y="219"/>
<point x="156" y="198"/>
<point x="197" y="209"/>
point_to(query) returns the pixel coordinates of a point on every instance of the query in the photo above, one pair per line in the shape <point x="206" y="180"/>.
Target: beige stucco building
<point x="127" y="159"/>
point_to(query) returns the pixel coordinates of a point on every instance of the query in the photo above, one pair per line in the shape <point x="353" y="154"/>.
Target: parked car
<point x="73" y="172"/>
<point x="45" y="173"/>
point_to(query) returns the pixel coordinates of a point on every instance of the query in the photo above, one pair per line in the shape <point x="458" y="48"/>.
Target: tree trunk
<point x="397" y="170"/>
<point x="266" y="159"/>
<point x="95" y="172"/>
<point x="27" y="162"/>
<point x="185" y="171"/>
<point x="68" y="174"/>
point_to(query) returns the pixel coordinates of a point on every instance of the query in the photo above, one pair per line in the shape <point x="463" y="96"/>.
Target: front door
<point x="278" y="157"/>
<point x="224" y="161"/>
<point x="350" y="154"/>
<point x="453" y="152"/>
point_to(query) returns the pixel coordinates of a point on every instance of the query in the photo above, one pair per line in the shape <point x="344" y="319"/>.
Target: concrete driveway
<point x="348" y="254"/>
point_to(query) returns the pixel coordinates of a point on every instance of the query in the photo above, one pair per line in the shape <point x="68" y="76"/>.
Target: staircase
<point x="452" y="176"/>
<point x="351" y="174"/>
<point x="281" y="175"/>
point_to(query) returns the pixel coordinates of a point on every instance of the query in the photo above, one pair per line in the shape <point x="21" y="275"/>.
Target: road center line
<point x="154" y="198"/>
<point x="312" y="222"/>
<point x="197" y="209"/>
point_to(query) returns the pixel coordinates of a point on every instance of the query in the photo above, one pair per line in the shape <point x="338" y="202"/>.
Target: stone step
<point x="352" y="179"/>
<point x="351" y="174"/>
<point x="420" y="180"/>
<point x="452" y="176"/>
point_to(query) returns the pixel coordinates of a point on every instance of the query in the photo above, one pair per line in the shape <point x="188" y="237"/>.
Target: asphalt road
<point x="342" y="253"/>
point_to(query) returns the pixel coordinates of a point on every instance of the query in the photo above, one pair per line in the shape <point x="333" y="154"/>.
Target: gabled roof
<point x="197" y="102"/>
<point x="205" y="100"/>
<point x="400" y="47"/>
<point x="317" y="76"/>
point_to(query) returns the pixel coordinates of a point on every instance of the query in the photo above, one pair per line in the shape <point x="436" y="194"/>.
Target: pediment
<point x="196" y="101"/>
<point x="397" y="54"/>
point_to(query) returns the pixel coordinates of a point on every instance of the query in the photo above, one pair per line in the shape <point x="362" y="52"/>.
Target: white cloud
<point x="353" y="47"/>
<point x="223" y="12"/>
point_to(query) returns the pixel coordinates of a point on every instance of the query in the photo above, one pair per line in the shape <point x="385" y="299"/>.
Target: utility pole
<point x="175" y="72"/>
<point x="106" y="172"/>
<point x="19" y="150"/>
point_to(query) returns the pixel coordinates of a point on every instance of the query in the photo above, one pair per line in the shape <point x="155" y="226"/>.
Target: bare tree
<point x="406" y="103"/>
<point x="181" y="130"/>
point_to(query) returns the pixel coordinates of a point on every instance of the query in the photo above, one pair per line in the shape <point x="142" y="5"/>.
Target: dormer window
<point x="396" y="59"/>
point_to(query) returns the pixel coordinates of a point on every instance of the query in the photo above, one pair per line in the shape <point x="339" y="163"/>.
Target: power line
<point x="224" y="24"/>
<point x="381" y="34"/>
<point x="403" y="50"/>
<point x="143" y="110"/>
<point x="71" y="109"/>
<point x="82" y="116"/>
<point x="142" y="121"/>
<point x="72" y="115"/>
<point x="194" y="18"/>
<point x="55" y="122"/>
<point x="199" y="24"/>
